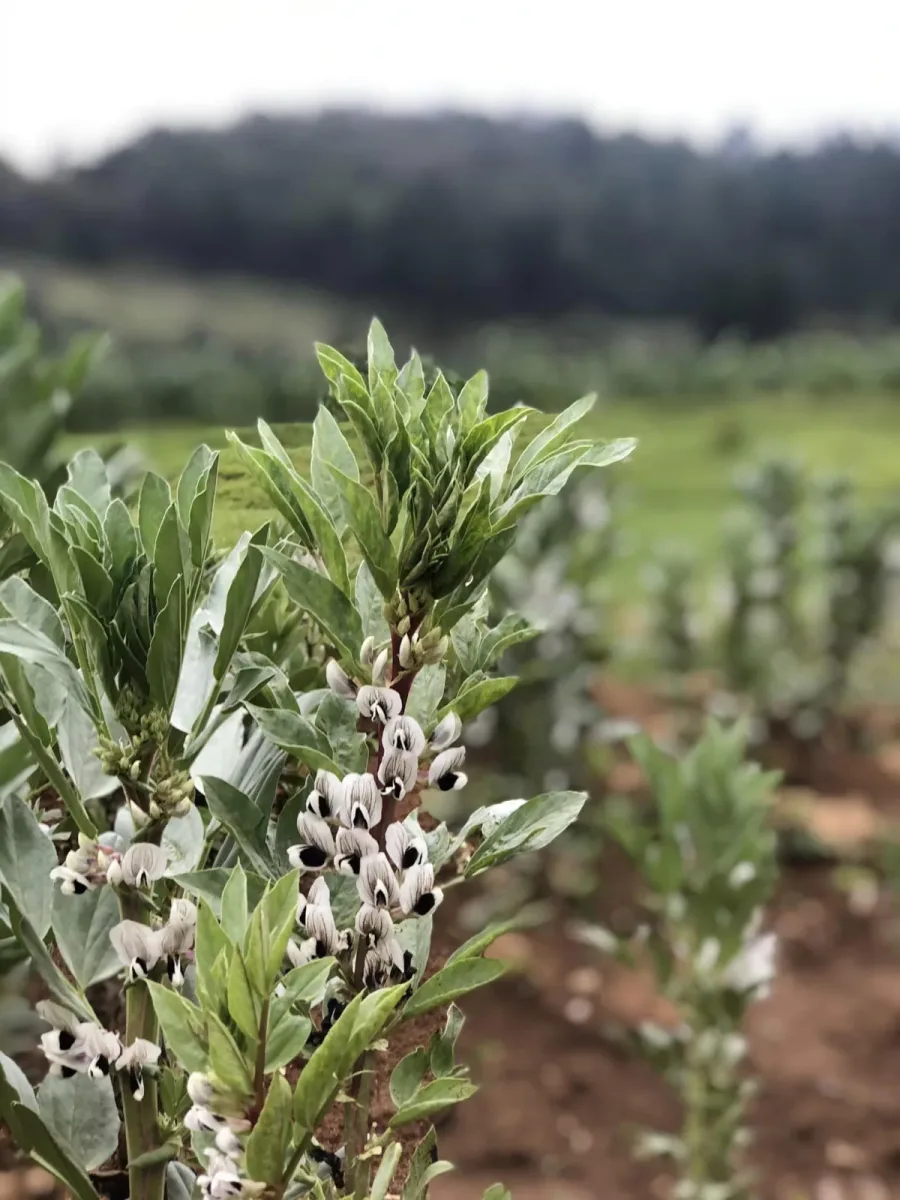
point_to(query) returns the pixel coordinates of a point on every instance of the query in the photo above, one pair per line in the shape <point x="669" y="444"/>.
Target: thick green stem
<point x="259" y="1076"/>
<point x="142" y="1134"/>
<point x="358" y="1125"/>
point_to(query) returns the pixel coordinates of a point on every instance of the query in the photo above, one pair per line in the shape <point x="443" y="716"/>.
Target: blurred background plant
<point x="804" y="592"/>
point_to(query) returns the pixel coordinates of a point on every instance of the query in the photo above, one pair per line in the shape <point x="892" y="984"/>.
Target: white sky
<point x="77" y="76"/>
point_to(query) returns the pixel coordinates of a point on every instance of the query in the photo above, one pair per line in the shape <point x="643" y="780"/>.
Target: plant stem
<point x="141" y="1116"/>
<point x="358" y="1124"/>
<point x="259" y="1076"/>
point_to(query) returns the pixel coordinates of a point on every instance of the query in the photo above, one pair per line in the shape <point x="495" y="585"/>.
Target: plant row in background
<point x="226" y="752"/>
<point x="805" y="590"/>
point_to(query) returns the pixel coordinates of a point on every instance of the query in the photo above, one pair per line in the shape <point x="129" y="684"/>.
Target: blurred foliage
<point x="460" y="215"/>
<point x="804" y="587"/>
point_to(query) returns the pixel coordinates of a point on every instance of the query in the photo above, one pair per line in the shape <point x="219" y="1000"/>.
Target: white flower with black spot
<point x="339" y="681"/>
<point x="360" y="805"/>
<point x="143" y="864"/>
<point x="404" y="848"/>
<point x="377" y="883"/>
<point x="323" y="801"/>
<point x="418" y="895"/>
<point x="404" y="733"/>
<point x="353" y="845"/>
<point x="445" y="733"/>
<point x="133" y="1059"/>
<point x="445" y="773"/>
<point x="378" y="704"/>
<point x="398" y="772"/>
<point x="316" y="846"/>
<point x="72" y="883"/>
<point x="137" y="947"/>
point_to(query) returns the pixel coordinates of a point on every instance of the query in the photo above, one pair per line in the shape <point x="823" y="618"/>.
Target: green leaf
<point x="81" y="1115"/>
<point x="22" y="602"/>
<point x="330" y="449"/>
<point x="26" y="859"/>
<point x="432" y="1098"/>
<point x="209" y="942"/>
<point x="426" y="694"/>
<point x="380" y="355"/>
<point x="532" y="826"/>
<point x="33" y="647"/>
<point x="26" y="506"/>
<point x="481" y="695"/>
<point x="199" y="520"/>
<point x="86" y="476"/>
<point x="386" y="1171"/>
<point x="60" y="987"/>
<point x="452" y="981"/>
<point x="286" y="1041"/>
<point x="374" y="1013"/>
<point x="234" y="913"/>
<point x="299" y="505"/>
<point x="14" y="1076"/>
<point x="81" y="926"/>
<point x="334" y="365"/>
<point x="407" y="1076"/>
<point x="164" y="655"/>
<point x="195" y="679"/>
<point x="244" y="820"/>
<point x="323" y="600"/>
<point x="210" y="885"/>
<point x="228" y="1064"/>
<point x="305" y="985"/>
<point x="78" y="746"/>
<point x="35" y="1139"/>
<point x="472" y="400"/>
<point x="321" y="1078"/>
<point x="370" y="603"/>
<point x="122" y="539"/>
<point x="270" y="1141"/>
<point x="182" y="839"/>
<point x="243" y="1006"/>
<point x="443" y="1045"/>
<point x="337" y="719"/>
<point x="183" y="1025"/>
<point x="180" y="1182"/>
<point x="240" y="598"/>
<point x="552" y="436"/>
<point x="297" y="735"/>
<point x="271" y="926"/>
<point x="153" y="504"/>
<point x="476" y="945"/>
<point x="608" y="453"/>
<point x="422" y="1159"/>
<point x="171" y="556"/>
<point x="362" y="516"/>
<point x="497" y="1192"/>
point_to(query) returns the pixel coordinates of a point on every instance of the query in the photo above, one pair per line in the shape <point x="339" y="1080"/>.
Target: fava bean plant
<point x="707" y="861"/>
<point x="245" y="859"/>
<point x="804" y="591"/>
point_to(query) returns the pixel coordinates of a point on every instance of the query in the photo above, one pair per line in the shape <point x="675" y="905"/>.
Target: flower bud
<point x="403" y="626"/>
<point x="135" y="769"/>
<point x="339" y="681"/>
<point x="367" y="652"/>
<point x="405" y="653"/>
<point x="380" y="669"/>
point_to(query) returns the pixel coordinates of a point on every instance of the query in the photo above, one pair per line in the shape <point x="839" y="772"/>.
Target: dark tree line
<point x="463" y="216"/>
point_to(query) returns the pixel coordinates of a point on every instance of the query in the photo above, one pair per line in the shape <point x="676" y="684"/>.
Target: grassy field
<point x="677" y="484"/>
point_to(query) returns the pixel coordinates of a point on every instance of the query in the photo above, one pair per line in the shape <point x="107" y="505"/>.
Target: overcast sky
<point x="77" y="76"/>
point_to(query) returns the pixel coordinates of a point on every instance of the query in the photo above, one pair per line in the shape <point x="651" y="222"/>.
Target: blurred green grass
<point x="676" y="486"/>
